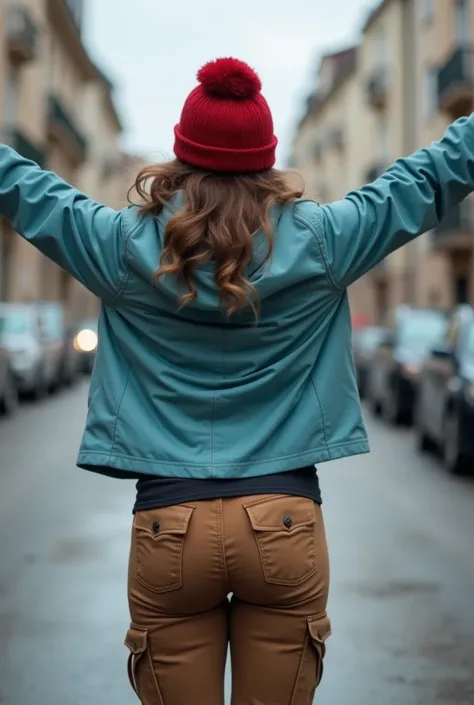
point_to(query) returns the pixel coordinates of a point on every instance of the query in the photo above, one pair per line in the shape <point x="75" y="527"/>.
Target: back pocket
<point x="158" y="541"/>
<point x="284" y="529"/>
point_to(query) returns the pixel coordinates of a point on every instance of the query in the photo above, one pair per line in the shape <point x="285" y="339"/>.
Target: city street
<point x="401" y="536"/>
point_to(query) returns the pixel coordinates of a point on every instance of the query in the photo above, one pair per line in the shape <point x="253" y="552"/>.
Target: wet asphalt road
<point x="401" y="536"/>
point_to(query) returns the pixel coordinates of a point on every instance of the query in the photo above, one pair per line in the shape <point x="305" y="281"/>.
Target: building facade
<point x="413" y="73"/>
<point x="445" y="75"/>
<point x="57" y="110"/>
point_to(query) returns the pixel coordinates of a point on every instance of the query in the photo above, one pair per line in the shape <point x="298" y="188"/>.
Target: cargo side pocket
<point x="320" y="630"/>
<point x="310" y="670"/>
<point x="140" y="667"/>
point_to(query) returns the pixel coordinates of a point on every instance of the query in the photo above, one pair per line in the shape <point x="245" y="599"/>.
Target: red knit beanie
<point x="226" y="123"/>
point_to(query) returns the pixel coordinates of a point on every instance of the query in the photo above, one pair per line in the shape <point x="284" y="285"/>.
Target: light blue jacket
<point x="188" y="393"/>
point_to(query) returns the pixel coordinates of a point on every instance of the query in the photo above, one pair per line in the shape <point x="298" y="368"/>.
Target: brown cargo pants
<point x="267" y="552"/>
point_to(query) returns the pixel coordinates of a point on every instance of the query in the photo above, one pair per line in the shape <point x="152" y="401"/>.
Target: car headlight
<point x="86" y="341"/>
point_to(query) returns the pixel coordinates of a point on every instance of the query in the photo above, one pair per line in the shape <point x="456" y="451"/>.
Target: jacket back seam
<point x="323" y="421"/>
<point x="114" y="434"/>
<point x="215" y="398"/>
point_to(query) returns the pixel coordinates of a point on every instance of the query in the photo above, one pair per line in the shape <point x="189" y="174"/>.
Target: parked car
<point x="8" y="387"/>
<point x="59" y="340"/>
<point x="396" y="363"/>
<point x="364" y="343"/>
<point x="445" y="409"/>
<point x="86" y="340"/>
<point x="23" y="338"/>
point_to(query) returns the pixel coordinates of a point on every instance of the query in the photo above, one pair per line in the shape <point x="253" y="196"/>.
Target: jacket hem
<point x="118" y="465"/>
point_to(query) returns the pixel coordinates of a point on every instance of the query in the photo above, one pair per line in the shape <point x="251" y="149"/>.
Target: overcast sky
<point x="153" y="48"/>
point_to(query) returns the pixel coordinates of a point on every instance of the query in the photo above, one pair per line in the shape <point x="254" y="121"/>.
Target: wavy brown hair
<point x="219" y="217"/>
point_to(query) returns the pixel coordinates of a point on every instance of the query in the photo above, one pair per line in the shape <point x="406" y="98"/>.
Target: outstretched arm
<point x="411" y="197"/>
<point x="83" y="237"/>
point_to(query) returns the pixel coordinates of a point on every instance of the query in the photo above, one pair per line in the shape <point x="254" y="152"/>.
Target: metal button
<point x="288" y="522"/>
<point x="156" y="527"/>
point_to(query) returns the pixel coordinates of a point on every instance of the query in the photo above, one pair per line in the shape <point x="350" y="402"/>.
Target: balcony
<point x="456" y="83"/>
<point x="377" y="88"/>
<point x="21" y="35"/>
<point x="19" y="141"/>
<point x="63" y="129"/>
<point x="456" y="230"/>
<point x="65" y="18"/>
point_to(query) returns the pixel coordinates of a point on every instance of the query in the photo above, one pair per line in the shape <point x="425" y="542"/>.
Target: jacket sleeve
<point x="81" y="236"/>
<point x="410" y="198"/>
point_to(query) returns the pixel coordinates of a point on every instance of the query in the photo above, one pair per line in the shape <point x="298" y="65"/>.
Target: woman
<point x="224" y="374"/>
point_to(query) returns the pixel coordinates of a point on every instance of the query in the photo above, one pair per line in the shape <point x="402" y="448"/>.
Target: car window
<point x="470" y="340"/>
<point x="419" y="330"/>
<point x="15" y="323"/>
<point x="453" y="332"/>
<point x="370" y="338"/>
<point x="51" y="322"/>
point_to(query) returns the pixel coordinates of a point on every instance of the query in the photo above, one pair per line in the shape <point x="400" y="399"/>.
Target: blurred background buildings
<point x="411" y="74"/>
<point x="57" y="109"/>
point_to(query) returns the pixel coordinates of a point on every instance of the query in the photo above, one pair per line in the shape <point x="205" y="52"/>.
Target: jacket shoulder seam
<point x="127" y="232"/>
<point x="314" y="225"/>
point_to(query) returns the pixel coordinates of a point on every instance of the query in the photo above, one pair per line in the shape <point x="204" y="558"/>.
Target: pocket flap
<point x="319" y="628"/>
<point x="281" y="513"/>
<point x="136" y="639"/>
<point x="166" y="520"/>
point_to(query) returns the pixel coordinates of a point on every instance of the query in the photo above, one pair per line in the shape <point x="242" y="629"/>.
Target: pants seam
<point x="300" y="669"/>
<point x="221" y="538"/>
<point x="153" y="675"/>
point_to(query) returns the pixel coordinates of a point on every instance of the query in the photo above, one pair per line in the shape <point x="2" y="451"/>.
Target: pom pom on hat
<point x="229" y="79"/>
<point x="226" y="124"/>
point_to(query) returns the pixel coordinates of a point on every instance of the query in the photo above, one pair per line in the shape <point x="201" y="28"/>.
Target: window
<point x="317" y="151"/>
<point x="431" y="91"/>
<point x="461" y="290"/>
<point x="11" y="98"/>
<point x="382" y="301"/>
<point x="323" y="190"/>
<point x="383" y="146"/>
<point x="427" y="11"/>
<point x="462" y="23"/>
<point x="54" y="65"/>
<point x="380" y="47"/>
